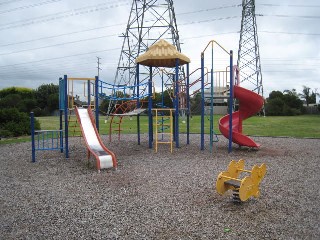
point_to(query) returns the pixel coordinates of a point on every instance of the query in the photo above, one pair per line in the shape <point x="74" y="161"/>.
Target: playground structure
<point x="243" y="188"/>
<point x="131" y="101"/>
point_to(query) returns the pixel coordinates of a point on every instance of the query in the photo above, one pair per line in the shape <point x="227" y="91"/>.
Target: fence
<point x="42" y="140"/>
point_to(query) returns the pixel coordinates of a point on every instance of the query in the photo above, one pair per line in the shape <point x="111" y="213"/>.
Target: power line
<point x="210" y="35"/>
<point x="210" y="20"/>
<point x="95" y="38"/>
<point x="288" y="16"/>
<point x="63" y="34"/>
<point x="7" y="2"/>
<point x="291" y="33"/>
<point x="59" y="15"/>
<point x="287" y="5"/>
<point x="29" y="6"/>
<point x="209" y="9"/>
<point x="55" y="58"/>
<point x="192" y="37"/>
<point x="59" y="44"/>
<point x="114" y="25"/>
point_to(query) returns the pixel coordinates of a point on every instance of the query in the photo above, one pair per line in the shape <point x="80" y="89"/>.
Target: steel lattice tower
<point x="149" y="21"/>
<point x="248" y="53"/>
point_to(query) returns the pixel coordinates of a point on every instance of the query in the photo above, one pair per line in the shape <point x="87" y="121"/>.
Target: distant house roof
<point x="162" y="54"/>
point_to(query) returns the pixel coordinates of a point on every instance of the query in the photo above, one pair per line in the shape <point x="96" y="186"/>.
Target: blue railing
<point x="42" y="140"/>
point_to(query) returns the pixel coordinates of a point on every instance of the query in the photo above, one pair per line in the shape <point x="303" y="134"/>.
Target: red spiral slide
<point x="250" y="103"/>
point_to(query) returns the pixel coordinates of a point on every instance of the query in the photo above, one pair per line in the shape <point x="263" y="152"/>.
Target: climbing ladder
<point x="74" y="127"/>
<point x="116" y="118"/>
<point x="126" y="108"/>
<point x="163" y="127"/>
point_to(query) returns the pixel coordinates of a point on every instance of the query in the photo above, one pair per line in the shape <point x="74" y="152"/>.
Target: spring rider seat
<point x="243" y="188"/>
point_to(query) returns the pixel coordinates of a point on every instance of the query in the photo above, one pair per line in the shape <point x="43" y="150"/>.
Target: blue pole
<point x="138" y="102"/>
<point x="230" y="102"/>
<point x="61" y="93"/>
<point x="61" y="107"/>
<point x="202" y="102"/>
<point x="96" y="94"/>
<point x="61" y="130"/>
<point x="150" y="109"/>
<point x="89" y="90"/>
<point x="66" y="105"/>
<point x="32" y="137"/>
<point x="188" y="106"/>
<point x="177" y="103"/>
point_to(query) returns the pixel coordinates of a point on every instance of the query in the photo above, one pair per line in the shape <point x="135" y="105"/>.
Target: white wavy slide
<point x="104" y="157"/>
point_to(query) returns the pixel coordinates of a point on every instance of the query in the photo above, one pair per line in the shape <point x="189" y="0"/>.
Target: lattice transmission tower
<point x="248" y="53"/>
<point x="149" y="21"/>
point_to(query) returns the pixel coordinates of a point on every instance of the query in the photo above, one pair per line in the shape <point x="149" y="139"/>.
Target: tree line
<point x="16" y="104"/>
<point x="289" y="102"/>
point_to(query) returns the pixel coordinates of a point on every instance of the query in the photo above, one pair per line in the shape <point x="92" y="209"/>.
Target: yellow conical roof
<point x="162" y="54"/>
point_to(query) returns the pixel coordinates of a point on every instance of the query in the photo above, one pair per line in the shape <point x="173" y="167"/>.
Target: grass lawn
<point x="305" y="126"/>
<point x="290" y="126"/>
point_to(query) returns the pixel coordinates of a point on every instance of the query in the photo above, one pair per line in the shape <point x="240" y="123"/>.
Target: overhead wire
<point x="290" y="33"/>
<point x="64" y="14"/>
<point x="287" y="5"/>
<point x="56" y="58"/>
<point x="58" y="44"/>
<point x="119" y="24"/>
<point x="29" y="6"/>
<point x="202" y="21"/>
<point x="61" y="35"/>
<point x="287" y="16"/>
<point x="209" y="9"/>
<point x="7" y="2"/>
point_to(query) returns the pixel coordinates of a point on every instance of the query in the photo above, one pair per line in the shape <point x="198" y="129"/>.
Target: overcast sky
<point x="41" y="40"/>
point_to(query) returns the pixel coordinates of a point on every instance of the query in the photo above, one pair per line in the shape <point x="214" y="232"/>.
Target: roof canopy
<point x="162" y="54"/>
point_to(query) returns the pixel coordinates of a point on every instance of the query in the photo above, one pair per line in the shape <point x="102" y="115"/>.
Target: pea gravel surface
<point x="159" y="195"/>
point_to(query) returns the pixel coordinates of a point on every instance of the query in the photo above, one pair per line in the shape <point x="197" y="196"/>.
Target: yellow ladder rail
<point x="160" y="125"/>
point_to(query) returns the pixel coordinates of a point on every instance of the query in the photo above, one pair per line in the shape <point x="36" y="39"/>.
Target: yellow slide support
<point x="243" y="188"/>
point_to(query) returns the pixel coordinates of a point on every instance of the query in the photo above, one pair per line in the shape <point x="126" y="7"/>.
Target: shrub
<point x="14" y="123"/>
<point x="274" y="107"/>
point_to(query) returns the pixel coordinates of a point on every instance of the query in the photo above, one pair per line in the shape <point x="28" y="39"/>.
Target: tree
<point x="14" y="123"/>
<point x="308" y="96"/>
<point x="275" y="94"/>
<point x="195" y="104"/>
<point x="47" y="96"/>
<point x="284" y="104"/>
<point x="20" y="98"/>
<point x="274" y="107"/>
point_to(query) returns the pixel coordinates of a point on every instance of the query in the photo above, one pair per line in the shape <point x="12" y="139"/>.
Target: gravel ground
<point x="159" y="195"/>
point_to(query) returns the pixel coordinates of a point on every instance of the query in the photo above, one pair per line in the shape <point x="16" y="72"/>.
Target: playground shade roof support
<point x="162" y="54"/>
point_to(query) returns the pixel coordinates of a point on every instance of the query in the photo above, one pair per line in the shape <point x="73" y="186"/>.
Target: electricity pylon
<point x="149" y="21"/>
<point x="248" y="53"/>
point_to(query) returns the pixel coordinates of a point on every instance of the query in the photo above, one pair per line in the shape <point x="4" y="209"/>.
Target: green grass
<point x="305" y="126"/>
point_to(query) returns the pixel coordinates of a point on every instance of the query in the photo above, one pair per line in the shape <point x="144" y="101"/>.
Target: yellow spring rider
<point x="244" y="188"/>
